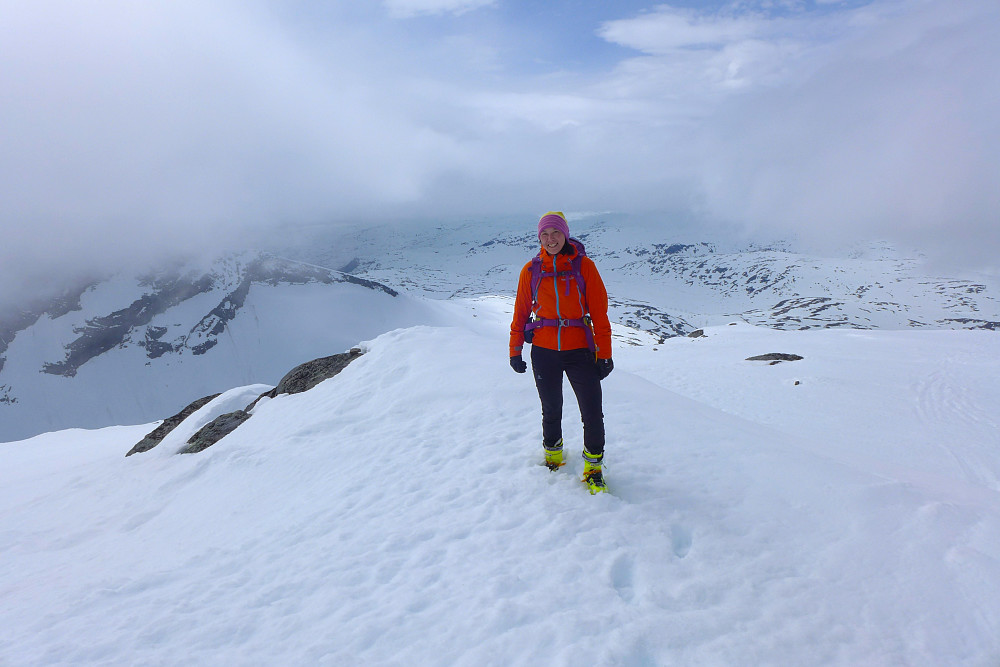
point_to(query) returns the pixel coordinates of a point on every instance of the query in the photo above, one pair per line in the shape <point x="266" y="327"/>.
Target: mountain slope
<point x="128" y="350"/>
<point x="398" y="514"/>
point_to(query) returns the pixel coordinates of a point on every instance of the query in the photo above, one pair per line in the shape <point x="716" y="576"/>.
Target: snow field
<point x="398" y="514"/>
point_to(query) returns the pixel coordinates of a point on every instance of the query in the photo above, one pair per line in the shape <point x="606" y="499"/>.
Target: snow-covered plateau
<point x="843" y="509"/>
<point x="840" y="509"/>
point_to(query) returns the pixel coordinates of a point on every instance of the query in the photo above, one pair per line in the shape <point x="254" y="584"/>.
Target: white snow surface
<point x="839" y="510"/>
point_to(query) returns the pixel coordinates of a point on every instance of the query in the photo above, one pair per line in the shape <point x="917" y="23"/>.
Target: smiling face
<point x="552" y="240"/>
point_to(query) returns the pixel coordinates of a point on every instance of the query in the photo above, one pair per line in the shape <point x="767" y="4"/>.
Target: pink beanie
<point x="556" y="220"/>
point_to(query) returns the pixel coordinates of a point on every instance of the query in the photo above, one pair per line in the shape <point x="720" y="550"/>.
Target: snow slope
<point x="397" y="514"/>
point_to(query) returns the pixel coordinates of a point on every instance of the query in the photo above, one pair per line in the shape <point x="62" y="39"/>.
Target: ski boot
<point x="554" y="455"/>
<point x="592" y="475"/>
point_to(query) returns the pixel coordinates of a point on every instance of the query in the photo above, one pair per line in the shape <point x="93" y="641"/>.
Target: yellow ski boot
<point x="592" y="475"/>
<point x="554" y="455"/>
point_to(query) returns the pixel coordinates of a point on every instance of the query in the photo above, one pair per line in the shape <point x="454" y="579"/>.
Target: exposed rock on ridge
<point x="306" y="376"/>
<point x="301" y="378"/>
<point x="154" y="437"/>
<point x="214" y="431"/>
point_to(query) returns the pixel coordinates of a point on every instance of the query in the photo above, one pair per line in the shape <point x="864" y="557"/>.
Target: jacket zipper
<point x="555" y="285"/>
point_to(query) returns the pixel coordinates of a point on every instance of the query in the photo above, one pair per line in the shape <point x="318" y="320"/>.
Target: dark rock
<point x="697" y="333"/>
<point x="216" y="430"/>
<point x="775" y="357"/>
<point x="301" y="378"/>
<point x="154" y="437"/>
<point x="306" y="376"/>
<point x="154" y="347"/>
<point x="969" y="323"/>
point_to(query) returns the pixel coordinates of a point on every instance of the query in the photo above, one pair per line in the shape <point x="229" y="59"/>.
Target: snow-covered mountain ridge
<point x="133" y="348"/>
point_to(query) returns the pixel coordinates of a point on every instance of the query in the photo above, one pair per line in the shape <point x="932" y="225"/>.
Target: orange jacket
<point x="560" y="298"/>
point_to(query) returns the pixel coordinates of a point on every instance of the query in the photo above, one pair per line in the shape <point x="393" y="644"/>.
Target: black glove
<point x="517" y="363"/>
<point x="604" y="368"/>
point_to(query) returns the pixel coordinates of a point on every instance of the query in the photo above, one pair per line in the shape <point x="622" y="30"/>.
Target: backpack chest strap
<point x="537" y="274"/>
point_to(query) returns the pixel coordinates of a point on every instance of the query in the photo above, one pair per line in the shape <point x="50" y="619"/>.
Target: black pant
<point x="548" y="367"/>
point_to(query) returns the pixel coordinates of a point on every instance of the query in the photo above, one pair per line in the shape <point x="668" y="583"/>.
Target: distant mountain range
<point x="663" y="288"/>
<point x="130" y="349"/>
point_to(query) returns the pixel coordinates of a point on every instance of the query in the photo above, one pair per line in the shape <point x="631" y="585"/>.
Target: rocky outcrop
<point x="775" y="357"/>
<point x="306" y="376"/>
<point x="156" y="436"/>
<point x="216" y="430"/>
<point x="301" y="378"/>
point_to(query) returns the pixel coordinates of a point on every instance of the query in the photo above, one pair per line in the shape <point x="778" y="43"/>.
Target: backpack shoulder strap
<point x="580" y="282"/>
<point x="576" y="263"/>
<point x="536" y="277"/>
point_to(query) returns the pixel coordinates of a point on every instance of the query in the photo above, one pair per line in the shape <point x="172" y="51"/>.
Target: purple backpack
<point x="574" y="271"/>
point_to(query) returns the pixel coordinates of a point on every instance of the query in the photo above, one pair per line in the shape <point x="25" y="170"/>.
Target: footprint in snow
<point x="623" y="577"/>
<point x="680" y="540"/>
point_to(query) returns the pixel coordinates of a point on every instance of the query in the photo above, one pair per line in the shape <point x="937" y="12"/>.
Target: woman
<point x="562" y="310"/>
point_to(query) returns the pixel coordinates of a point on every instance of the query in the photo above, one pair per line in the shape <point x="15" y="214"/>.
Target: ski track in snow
<point x="949" y="396"/>
<point x="397" y="514"/>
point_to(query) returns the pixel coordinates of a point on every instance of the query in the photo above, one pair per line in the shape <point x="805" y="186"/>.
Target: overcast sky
<point x="130" y="128"/>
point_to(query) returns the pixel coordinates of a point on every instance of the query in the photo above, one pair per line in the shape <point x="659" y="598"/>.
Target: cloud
<point x="881" y="121"/>
<point x="668" y="28"/>
<point x="131" y="130"/>
<point x="894" y="133"/>
<point x="137" y="130"/>
<point x="410" y="8"/>
<point x="134" y="130"/>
